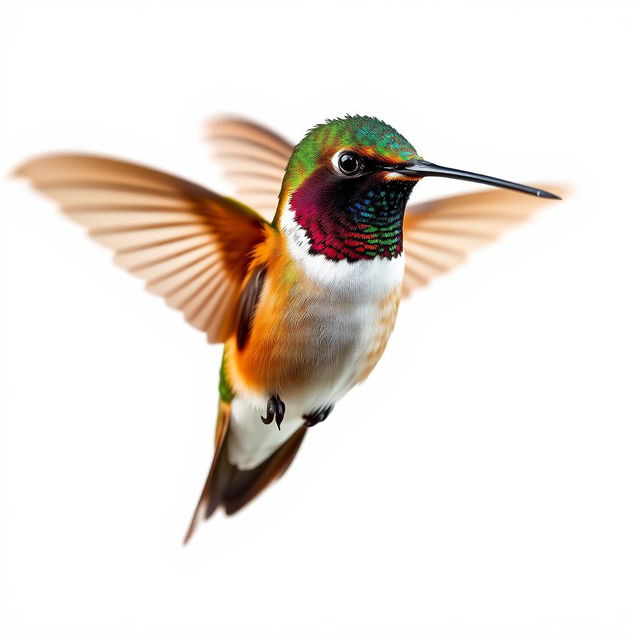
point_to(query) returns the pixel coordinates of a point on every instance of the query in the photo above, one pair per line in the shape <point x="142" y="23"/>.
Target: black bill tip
<point x="547" y="194"/>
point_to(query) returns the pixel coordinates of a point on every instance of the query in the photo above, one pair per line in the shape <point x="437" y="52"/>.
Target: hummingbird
<point x="300" y="278"/>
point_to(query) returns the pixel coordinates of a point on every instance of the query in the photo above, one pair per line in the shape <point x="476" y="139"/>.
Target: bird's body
<point x="316" y="333"/>
<point x="304" y="304"/>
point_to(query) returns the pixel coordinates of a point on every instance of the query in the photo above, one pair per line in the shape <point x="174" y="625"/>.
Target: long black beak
<point x="422" y="168"/>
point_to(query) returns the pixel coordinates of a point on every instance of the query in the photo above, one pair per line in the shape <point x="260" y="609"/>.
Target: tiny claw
<point x="279" y="411"/>
<point x="270" y="412"/>
<point x="275" y="409"/>
<point x="320" y="415"/>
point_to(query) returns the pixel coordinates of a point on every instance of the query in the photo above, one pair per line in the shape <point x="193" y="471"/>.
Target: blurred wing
<point x="189" y="244"/>
<point x="253" y="158"/>
<point x="438" y="235"/>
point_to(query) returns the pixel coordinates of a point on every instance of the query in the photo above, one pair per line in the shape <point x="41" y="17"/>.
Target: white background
<point x="483" y="483"/>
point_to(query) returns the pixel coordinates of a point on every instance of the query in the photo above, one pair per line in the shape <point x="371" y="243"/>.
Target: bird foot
<point x="320" y="415"/>
<point x="275" y="409"/>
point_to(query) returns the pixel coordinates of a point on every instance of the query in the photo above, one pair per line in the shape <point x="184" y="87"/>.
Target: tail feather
<point x="244" y="486"/>
<point x="233" y="488"/>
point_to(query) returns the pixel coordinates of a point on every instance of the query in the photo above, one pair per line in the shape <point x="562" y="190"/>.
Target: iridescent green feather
<point x="224" y="387"/>
<point x="362" y="132"/>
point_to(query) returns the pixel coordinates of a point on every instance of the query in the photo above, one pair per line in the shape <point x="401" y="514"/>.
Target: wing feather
<point x="438" y="235"/>
<point x="191" y="245"/>
<point x="253" y="158"/>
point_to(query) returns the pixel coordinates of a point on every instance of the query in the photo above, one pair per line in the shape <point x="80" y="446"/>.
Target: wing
<point x="438" y="235"/>
<point x="191" y="245"/>
<point x="253" y="158"/>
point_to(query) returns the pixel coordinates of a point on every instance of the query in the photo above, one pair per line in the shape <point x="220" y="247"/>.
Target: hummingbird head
<point x="346" y="187"/>
<point x="341" y="193"/>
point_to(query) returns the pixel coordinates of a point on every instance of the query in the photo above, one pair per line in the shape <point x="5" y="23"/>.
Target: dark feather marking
<point x="243" y="486"/>
<point x="247" y="305"/>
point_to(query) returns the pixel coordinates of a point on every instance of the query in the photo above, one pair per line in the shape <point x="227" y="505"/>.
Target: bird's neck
<point x="355" y="280"/>
<point x="345" y="225"/>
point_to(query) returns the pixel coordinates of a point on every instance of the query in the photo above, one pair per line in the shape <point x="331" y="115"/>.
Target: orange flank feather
<point x="279" y="360"/>
<point x="387" y="312"/>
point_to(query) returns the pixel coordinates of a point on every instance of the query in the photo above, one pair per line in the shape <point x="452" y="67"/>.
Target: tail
<point x="233" y="488"/>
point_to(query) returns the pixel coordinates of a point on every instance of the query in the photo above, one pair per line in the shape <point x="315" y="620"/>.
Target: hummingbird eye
<point x="349" y="163"/>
